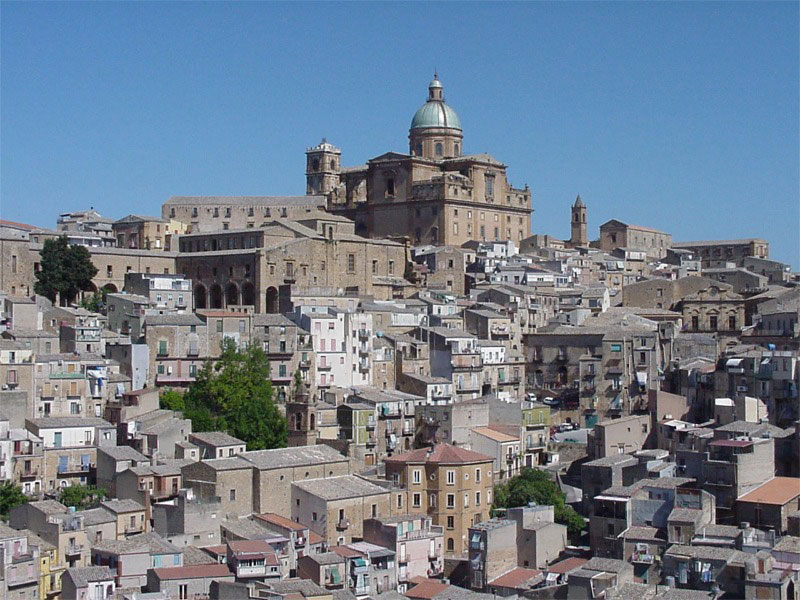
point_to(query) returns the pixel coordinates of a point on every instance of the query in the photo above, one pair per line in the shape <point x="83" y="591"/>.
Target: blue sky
<point x="680" y="116"/>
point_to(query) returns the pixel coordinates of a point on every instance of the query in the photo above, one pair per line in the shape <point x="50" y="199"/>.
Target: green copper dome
<point x="435" y="113"/>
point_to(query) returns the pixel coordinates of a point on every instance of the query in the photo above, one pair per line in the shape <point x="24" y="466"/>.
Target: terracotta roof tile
<point x="426" y="590"/>
<point x="281" y="521"/>
<point x="567" y="565"/>
<point x="442" y="453"/>
<point x="778" y="490"/>
<point x="516" y="577"/>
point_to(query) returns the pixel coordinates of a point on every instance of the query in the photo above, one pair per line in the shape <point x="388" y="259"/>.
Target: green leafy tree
<point x="64" y="270"/>
<point x="234" y="394"/>
<point x="172" y="400"/>
<point x="533" y="485"/>
<point x="10" y="496"/>
<point x="81" y="496"/>
<point x="93" y="303"/>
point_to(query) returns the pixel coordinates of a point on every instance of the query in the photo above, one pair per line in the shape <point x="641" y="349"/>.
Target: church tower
<point x="579" y="237"/>
<point x="301" y="416"/>
<point x="323" y="166"/>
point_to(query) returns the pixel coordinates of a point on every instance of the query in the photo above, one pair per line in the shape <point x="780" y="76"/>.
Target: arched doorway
<point x="272" y="300"/>
<point x="216" y="296"/>
<point x="562" y="376"/>
<point x="110" y="288"/>
<point x="231" y="294"/>
<point x="248" y="294"/>
<point x="200" y="298"/>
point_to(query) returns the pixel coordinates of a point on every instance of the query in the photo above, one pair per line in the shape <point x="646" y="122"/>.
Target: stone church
<point x="435" y="194"/>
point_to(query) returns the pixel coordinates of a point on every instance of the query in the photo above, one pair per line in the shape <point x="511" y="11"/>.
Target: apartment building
<point x="335" y="507"/>
<point x="418" y="545"/>
<point x="451" y="485"/>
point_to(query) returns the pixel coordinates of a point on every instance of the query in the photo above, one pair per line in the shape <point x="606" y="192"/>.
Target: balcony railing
<point x="363" y="333"/>
<point x="343" y="524"/>
<point x="73" y="549"/>
<point x="643" y="558"/>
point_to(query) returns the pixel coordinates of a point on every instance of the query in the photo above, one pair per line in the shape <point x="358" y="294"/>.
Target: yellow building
<point x="50" y="570"/>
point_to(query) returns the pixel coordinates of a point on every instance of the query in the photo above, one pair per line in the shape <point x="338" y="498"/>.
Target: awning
<point x="641" y="377"/>
<point x="359" y="562"/>
<point x="766" y="361"/>
<point x="95" y="373"/>
<point x="120" y="389"/>
<point x="476" y="537"/>
<point x="616" y="403"/>
<point x="552" y="577"/>
<point x="335" y="576"/>
<point x="733" y="363"/>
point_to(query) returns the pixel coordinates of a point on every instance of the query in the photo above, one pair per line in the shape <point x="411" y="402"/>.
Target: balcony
<point x="363" y="349"/>
<point x="136" y="529"/>
<point x="363" y="365"/>
<point x="363" y="334"/>
<point x="324" y="367"/>
<point x="372" y="440"/>
<point x="498" y="329"/>
<point x="74" y="549"/>
<point x="408" y="430"/>
<point x="73" y="467"/>
<point x="404" y="558"/>
<point x="465" y="361"/>
<point x="21" y="573"/>
<point x="343" y="524"/>
<point x="370" y="424"/>
<point x="642" y="558"/>
<point x="29" y="473"/>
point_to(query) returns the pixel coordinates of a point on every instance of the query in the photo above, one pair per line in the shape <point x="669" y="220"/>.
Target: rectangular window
<point x="417" y="476"/>
<point x="451" y="522"/>
<point x="351" y="263"/>
<point x="416" y="500"/>
<point x="391" y="267"/>
<point x="390" y="186"/>
<point x="374" y="267"/>
<point x="451" y="477"/>
<point x="477" y="475"/>
<point x="451" y="500"/>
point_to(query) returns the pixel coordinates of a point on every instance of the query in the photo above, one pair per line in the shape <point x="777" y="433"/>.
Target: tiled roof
<point x="778" y="490"/>
<point x="567" y="565"/>
<point x="339" y="488"/>
<point x="516" y="577"/>
<point x="441" y="454"/>
<point x="215" y="438"/>
<point x="281" y="521"/>
<point x="426" y="590"/>
<point x="292" y="457"/>
<point x="82" y="576"/>
<point x="497" y="436"/>
<point x="122" y="506"/>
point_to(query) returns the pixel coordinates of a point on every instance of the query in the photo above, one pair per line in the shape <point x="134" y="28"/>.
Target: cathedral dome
<point x="435" y="113"/>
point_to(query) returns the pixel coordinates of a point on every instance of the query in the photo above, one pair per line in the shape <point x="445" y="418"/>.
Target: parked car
<point x="550" y="401"/>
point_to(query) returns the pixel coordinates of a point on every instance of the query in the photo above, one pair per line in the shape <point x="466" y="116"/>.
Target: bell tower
<point x="323" y="166"/>
<point x="301" y="415"/>
<point x="578" y="224"/>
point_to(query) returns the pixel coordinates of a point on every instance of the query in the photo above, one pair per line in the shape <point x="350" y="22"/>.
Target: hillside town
<point x="454" y="407"/>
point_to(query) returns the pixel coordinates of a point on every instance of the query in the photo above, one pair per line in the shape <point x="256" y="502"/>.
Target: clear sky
<point x="680" y="116"/>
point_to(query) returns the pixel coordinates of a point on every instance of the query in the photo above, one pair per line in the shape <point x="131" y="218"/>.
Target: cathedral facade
<point x="435" y="194"/>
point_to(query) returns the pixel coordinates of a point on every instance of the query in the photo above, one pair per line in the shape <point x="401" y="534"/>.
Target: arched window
<point x="315" y="164"/>
<point x="418" y="149"/>
<point x="455" y="149"/>
<point x="450" y="545"/>
<point x="439" y="149"/>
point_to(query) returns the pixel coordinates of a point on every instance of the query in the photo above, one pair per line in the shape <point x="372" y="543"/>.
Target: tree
<point x="172" y="400"/>
<point x="10" y="496"/>
<point x="533" y="485"/>
<point x="298" y="381"/>
<point x="81" y="496"/>
<point x="64" y="270"/>
<point x="234" y="394"/>
<point x="93" y="303"/>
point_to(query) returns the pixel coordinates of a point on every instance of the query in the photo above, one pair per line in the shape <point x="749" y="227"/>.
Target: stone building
<point x="150" y="233"/>
<point x="735" y="251"/>
<point x="579" y="236"/>
<point x="451" y="485"/>
<point x="713" y="310"/>
<point x="616" y="234"/>
<point x="435" y="194"/>
<point x="214" y="213"/>
<point x="250" y="266"/>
